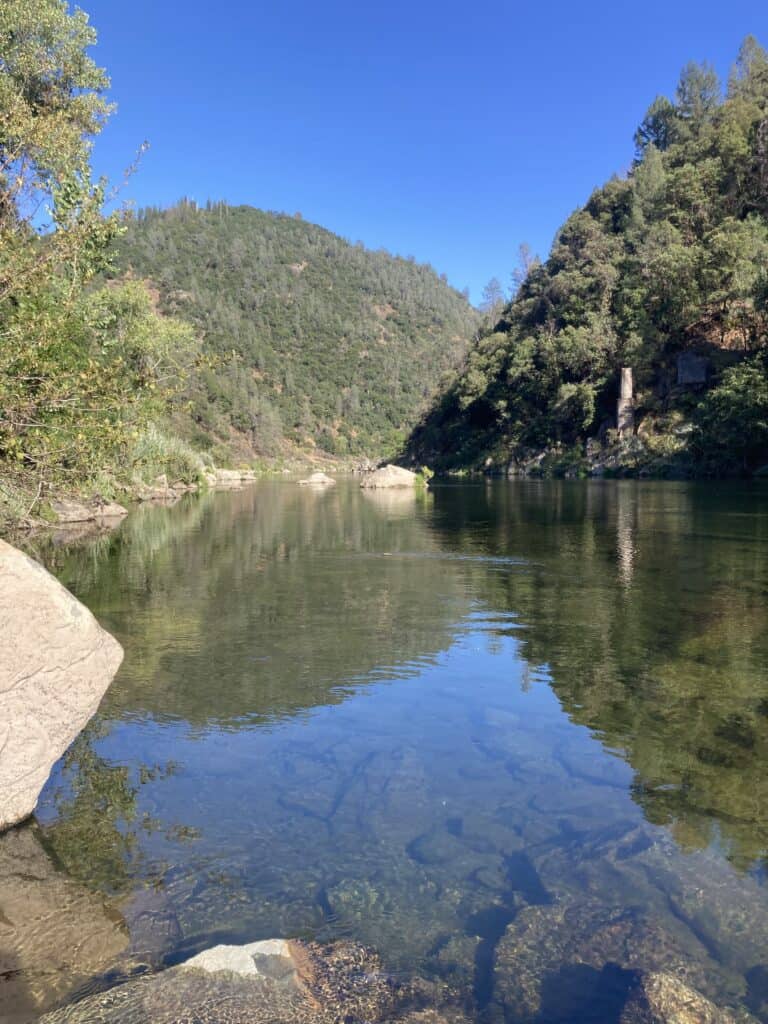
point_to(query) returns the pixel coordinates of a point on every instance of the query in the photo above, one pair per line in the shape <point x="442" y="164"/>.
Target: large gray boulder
<point x="55" y="664"/>
<point x="389" y="476"/>
<point x="269" y="982"/>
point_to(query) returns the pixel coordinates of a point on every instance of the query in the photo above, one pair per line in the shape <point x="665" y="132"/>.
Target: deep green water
<point x="513" y="735"/>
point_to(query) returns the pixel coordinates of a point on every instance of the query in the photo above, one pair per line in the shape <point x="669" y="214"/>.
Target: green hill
<point x="665" y="271"/>
<point x="308" y="340"/>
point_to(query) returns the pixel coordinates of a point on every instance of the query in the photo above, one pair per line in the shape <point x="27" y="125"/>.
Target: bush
<point x="155" y="452"/>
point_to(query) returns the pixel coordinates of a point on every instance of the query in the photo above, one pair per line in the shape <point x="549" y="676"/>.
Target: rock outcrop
<point x="389" y="476"/>
<point x="55" y="664"/>
<point x="269" y="982"/>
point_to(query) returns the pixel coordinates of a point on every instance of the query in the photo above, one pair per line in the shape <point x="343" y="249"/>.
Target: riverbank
<point x="27" y="504"/>
<point x="649" y="457"/>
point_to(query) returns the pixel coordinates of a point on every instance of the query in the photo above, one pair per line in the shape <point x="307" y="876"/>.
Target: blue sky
<point x="447" y="131"/>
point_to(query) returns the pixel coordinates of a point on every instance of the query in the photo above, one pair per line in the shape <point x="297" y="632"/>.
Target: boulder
<point x="570" y="961"/>
<point x="318" y="480"/>
<point x="389" y="476"/>
<point x="269" y="982"/>
<point x="53" y="674"/>
<point x="73" y="512"/>
<point x="232" y="479"/>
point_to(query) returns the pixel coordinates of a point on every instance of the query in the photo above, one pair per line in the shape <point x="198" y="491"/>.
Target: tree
<point x="81" y="371"/>
<point x="526" y="261"/>
<point x="749" y="76"/>
<point x="493" y="298"/>
<point x="698" y="95"/>
<point x="657" y="127"/>
<point x="51" y="108"/>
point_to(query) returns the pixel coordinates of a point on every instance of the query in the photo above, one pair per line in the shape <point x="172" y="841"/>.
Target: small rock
<point x="318" y="480"/>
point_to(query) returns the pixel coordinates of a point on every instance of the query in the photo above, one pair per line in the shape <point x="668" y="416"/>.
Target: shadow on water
<point x="478" y="731"/>
<point x="584" y="993"/>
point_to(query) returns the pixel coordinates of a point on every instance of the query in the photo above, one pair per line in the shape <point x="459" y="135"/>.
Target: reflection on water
<point x="511" y="735"/>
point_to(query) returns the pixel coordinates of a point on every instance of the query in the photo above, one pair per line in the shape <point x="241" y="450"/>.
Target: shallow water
<point x="513" y="735"/>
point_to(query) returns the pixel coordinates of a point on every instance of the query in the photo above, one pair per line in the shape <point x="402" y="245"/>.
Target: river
<point x="514" y="735"/>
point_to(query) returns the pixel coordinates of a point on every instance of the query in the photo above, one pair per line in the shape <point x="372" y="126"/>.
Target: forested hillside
<point x="307" y="338"/>
<point x="664" y="270"/>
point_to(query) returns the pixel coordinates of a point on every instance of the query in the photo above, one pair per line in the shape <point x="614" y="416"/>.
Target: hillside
<point x="664" y="271"/>
<point x="307" y="340"/>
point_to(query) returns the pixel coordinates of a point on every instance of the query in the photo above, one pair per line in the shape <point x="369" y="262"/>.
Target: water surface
<point x="513" y="735"/>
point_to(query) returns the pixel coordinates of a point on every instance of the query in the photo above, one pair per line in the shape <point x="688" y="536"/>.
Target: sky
<point x="445" y="131"/>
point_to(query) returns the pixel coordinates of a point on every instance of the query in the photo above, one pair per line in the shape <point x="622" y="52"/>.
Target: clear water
<point x="513" y="735"/>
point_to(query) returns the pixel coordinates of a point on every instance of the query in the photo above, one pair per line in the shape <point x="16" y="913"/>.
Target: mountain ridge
<point x="313" y="341"/>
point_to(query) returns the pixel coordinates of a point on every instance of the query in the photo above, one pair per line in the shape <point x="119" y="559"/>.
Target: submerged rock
<point x="153" y="926"/>
<point x="56" y="662"/>
<point x="270" y="982"/>
<point x="317" y="480"/>
<point x="661" y="998"/>
<point x="389" y="476"/>
<point x="54" y="934"/>
<point x="565" y="962"/>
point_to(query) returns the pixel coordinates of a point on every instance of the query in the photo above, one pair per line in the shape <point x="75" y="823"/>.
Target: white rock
<point x="56" y="662"/>
<point x="271" y="959"/>
<point x="318" y="480"/>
